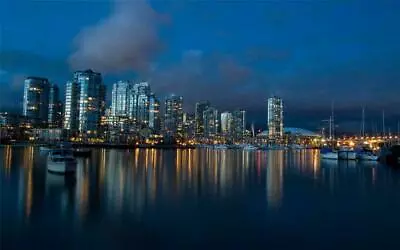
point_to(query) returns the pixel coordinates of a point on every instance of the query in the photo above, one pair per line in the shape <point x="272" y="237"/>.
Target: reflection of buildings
<point x="275" y="177"/>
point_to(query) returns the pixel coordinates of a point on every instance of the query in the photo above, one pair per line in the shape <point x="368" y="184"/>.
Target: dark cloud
<point x="126" y="40"/>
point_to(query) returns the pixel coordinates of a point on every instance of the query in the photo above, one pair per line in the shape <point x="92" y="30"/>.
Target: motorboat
<point x="296" y="146"/>
<point x="329" y="154"/>
<point x="220" y="146"/>
<point x="249" y="147"/>
<point x="367" y="156"/>
<point x="61" y="161"/>
<point x="346" y="153"/>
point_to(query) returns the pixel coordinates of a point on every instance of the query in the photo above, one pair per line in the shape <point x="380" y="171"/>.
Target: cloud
<point x="220" y="79"/>
<point x="124" y="41"/>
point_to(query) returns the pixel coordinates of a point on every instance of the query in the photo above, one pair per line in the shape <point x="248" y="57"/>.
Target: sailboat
<point x="330" y="153"/>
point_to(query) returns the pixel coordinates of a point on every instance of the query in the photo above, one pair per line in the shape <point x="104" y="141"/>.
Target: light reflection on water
<point x="153" y="185"/>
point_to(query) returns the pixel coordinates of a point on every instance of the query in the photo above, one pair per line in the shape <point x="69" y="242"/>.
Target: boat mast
<point x="363" y="122"/>
<point x="383" y="122"/>
<point x="332" y="123"/>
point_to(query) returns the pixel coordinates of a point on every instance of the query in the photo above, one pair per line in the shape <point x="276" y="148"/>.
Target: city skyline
<point x="347" y="61"/>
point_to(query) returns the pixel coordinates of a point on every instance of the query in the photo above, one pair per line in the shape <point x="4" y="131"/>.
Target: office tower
<point x="55" y="108"/>
<point x="154" y="114"/>
<point x="36" y="100"/>
<point x="238" y="124"/>
<point x="120" y="98"/>
<point x="173" y="121"/>
<point x="85" y="102"/>
<point x="226" y="123"/>
<point x="275" y="117"/>
<point x="139" y="103"/>
<point x="199" y="111"/>
<point x="71" y="106"/>
<point x="210" y="122"/>
<point x="189" y="125"/>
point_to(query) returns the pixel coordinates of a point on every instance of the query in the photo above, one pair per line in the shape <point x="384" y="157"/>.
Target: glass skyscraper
<point x="154" y="114"/>
<point x="120" y="98"/>
<point x="84" y="102"/>
<point x="55" y="108"/>
<point x="71" y="106"/>
<point x="210" y="122"/>
<point x="199" y="110"/>
<point x="275" y="117"/>
<point x="91" y="100"/>
<point x="239" y="124"/>
<point x="36" y="100"/>
<point x="226" y="123"/>
<point x="173" y="121"/>
<point x="139" y="103"/>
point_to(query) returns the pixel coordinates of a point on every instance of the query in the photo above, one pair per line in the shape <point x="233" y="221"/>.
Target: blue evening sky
<point x="234" y="53"/>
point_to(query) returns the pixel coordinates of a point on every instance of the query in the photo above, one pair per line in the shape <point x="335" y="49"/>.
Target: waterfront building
<point x="238" y="124"/>
<point x="275" y="117"/>
<point x="154" y="114"/>
<point x="36" y="100"/>
<point x="210" y="122"/>
<point x="189" y="125"/>
<point x="71" y="108"/>
<point x="139" y="103"/>
<point x="91" y="101"/>
<point x="55" y="108"/>
<point x="199" y="111"/>
<point x="120" y="97"/>
<point x="226" y="123"/>
<point x="173" y="120"/>
<point x="85" y="103"/>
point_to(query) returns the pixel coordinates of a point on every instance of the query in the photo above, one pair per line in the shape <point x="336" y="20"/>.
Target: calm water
<point x="146" y="199"/>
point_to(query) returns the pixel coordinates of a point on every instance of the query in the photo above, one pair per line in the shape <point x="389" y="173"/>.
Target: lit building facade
<point x="275" y="117"/>
<point x="139" y="103"/>
<point x="199" y="119"/>
<point x="55" y="108"/>
<point x="239" y="124"/>
<point x="226" y="123"/>
<point x="36" y="100"/>
<point x="210" y="122"/>
<point x="154" y="114"/>
<point x="173" y="121"/>
<point x="120" y="97"/>
<point x="71" y="106"/>
<point x="85" y="103"/>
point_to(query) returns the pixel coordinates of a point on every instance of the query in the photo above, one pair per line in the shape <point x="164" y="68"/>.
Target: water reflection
<point x="116" y="183"/>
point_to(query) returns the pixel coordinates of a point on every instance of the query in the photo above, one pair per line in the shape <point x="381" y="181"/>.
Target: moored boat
<point x="329" y="154"/>
<point x="61" y="161"/>
<point x="346" y="153"/>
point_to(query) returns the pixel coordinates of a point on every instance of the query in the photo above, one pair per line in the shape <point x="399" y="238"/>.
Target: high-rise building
<point x="173" y="121"/>
<point x="36" y="100"/>
<point x="55" y="108"/>
<point x="154" y="114"/>
<point x="71" y="109"/>
<point x="239" y="124"/>
<point x="275" y="117"/>
<point x="120" y="98"/>
<point x="199" y="111"/>
<point x="139" y="103"/>
<point x="226" y="123"/>
<point x="85" y="103"/>
<point x="210" y="122"/>
<point x="189" y="125"/>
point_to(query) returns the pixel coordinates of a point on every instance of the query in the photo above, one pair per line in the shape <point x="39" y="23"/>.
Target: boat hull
<point x="63" y="167"/>
<point x="330" y="156"/>
<point x="365" y="157"/>
<point x="347" y="155"/>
